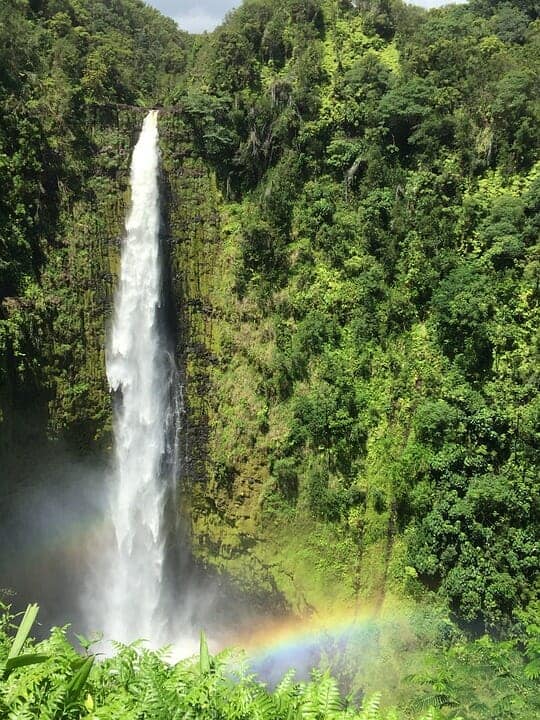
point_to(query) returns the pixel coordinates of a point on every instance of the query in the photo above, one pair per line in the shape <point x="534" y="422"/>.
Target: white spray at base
<point x="139" y="372"/>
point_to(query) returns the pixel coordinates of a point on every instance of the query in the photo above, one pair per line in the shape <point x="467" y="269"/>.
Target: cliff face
<point x="55" y="354"/>
<point x="353" y="272"/>
<point x="65" y="67"/>
<point x="226" y="346"/>
<point x="366" y="329"/>
<point x="204" y="254"/>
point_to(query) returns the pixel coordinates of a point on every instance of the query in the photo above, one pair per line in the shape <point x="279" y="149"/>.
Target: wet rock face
<point x="220" y="498"/>
<point x="192" y="224"/>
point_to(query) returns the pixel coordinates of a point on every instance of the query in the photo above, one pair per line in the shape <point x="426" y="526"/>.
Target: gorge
<point x="272" y="371"/>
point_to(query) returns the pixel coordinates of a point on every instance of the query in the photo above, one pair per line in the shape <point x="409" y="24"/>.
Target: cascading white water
<point x="139" y="372"/>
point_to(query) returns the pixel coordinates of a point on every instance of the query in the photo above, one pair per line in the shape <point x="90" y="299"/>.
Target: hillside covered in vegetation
<point x="352" y="198"/>
<point x="376" y="331"/>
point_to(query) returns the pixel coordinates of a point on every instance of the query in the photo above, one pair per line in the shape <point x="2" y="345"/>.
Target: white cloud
<point x="197" y="21"/>
<point x="195" y="15"/>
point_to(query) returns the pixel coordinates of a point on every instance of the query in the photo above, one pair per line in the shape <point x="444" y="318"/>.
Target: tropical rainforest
<point x="352" y="212"/>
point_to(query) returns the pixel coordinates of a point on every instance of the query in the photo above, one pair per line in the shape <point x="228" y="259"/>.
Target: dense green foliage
<point x="55" y="683"/>
<point x="63" y="154"/>
<point x="59" y="60"/>
<point x="51" y="681"/>
<point x="353" y="202"/>
<point x="384" y="162"/>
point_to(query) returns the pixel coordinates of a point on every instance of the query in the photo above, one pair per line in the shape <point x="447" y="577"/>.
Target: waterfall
<point x="140" y="371"/>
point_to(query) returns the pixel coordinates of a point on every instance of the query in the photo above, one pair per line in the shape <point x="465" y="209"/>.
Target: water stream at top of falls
<point x="140" y="371"/>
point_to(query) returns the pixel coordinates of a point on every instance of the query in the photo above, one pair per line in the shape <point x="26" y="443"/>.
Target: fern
<point x="370" y="708"/>
<point x="205" y="662"/>
<point x="329" y="697"/>
<point x="139" y="684"/>
<point x="432" y="714"/>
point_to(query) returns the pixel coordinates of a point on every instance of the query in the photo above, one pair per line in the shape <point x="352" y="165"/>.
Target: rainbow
<point x="303" y="643"/>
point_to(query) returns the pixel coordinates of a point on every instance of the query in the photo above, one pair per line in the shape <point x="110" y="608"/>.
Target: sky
<point x="199" y="15"/>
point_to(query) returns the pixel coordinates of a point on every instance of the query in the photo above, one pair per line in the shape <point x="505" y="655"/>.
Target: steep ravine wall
<point x="224" y="347"/>
<point x="55" y="398"/>
<point x="223" y="481"/>
<point x="207" y="319"/>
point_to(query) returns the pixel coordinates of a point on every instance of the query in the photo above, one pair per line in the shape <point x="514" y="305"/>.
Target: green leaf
<point x="22" y="661"/>
<point x="78" y="681"/>
<point x="205" y="661"/>
<point x="532" y="669"/>
<point x="85" y="642"/>
<point x="24" y="630"/>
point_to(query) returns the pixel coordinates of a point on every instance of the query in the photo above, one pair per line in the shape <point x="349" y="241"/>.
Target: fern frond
<point x="370" y="708"/>
<point x="329" y="697"/>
